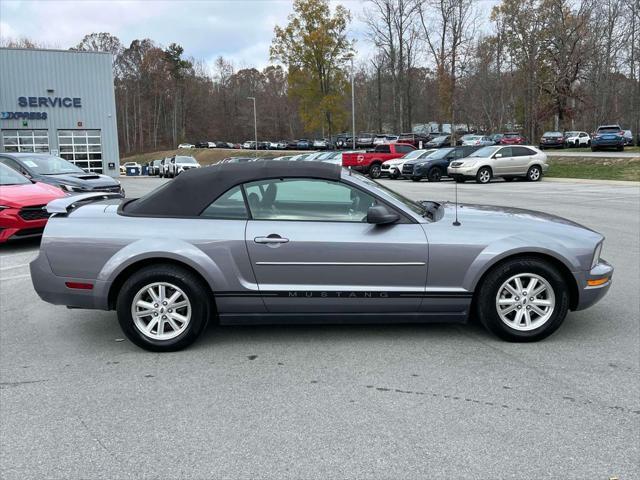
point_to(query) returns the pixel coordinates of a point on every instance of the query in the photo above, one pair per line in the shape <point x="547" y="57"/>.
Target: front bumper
<point x="13" y="226"/>
<point x="601" y="275"/>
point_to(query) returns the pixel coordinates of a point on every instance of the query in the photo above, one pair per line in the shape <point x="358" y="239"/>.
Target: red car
<point x="22" y="202"/>
<point x="513" y="138"/>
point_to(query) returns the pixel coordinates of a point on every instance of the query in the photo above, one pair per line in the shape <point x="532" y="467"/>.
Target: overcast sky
<point x="240" y="30"/>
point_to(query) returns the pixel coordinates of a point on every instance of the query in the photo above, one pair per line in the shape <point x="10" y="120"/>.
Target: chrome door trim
<point x="349" y="264"/>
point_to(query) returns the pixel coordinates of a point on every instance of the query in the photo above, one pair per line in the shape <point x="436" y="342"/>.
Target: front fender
<point x="497" y="251"/>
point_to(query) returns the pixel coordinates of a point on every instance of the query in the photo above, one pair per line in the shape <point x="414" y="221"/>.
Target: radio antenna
<point x="456" y="223"/>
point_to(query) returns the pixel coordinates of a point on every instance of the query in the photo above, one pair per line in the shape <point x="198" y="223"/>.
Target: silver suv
<point x="507" y="162"/>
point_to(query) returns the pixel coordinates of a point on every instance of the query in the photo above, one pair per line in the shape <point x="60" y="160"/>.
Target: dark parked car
<point x="414" y="139"/>
<point x="56" y="171"/>
<point x="552" y="140"/>
<point x="439" y="142"/>
<point x="608" y="136"/>
<point x="304" y="144"/>
<point x="434" y="166"/>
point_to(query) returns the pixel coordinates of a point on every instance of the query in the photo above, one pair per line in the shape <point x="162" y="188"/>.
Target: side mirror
<point x="381" y="215"/>
<point x="498" y="155"/>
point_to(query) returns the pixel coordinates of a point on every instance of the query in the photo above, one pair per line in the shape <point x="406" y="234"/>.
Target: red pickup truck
<point x="370" y="162"/>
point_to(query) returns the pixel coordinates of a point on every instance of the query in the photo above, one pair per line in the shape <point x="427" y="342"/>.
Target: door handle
<point x="273" y="238"/>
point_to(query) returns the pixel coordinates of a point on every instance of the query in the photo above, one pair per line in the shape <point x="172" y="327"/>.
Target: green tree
<point x="315" y="49"/>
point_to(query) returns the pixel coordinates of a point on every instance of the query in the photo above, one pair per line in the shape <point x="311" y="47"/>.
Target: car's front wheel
<point x="523" y="300"/>
<point x="483" y="175"/>
<point x="534" y="173"/>
<point x="163" y="308"/>
<point x="434" y="175"/>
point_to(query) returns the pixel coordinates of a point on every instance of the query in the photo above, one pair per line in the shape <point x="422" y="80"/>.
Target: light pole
<point x="353" y="108"/>
<point x="255" y="123"/>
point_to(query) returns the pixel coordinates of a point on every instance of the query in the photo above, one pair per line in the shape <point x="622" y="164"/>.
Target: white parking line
<point x="14" y="266"/>
<point x="17" y="277"/>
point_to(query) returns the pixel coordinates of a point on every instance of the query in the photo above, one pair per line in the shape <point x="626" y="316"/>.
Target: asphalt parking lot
<point x="391" y="401"/>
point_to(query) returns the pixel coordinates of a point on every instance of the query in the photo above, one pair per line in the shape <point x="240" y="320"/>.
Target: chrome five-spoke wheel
<point x="525" y="302"/>
<point x="161" y="311"/>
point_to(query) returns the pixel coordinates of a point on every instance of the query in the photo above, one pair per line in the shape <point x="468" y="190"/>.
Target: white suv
<point x="508" y="162"/>
<point x="577" y="139"/>
<point x="177" y="164"/>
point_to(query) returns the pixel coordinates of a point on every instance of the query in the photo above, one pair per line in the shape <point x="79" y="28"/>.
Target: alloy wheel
<point x="534" y="174"/>
<point x="525" y="302"/>
<point x="161" y="311"/>
<point x="484" y="175"/>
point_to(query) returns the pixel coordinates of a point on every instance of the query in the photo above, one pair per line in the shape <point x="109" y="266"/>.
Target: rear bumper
<point x="53" y="289"/>
<point x="590" y="295"/>
<point x="608" y="143"/>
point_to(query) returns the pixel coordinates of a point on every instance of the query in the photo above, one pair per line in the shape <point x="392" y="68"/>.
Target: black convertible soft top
<point x="192" y="191"/>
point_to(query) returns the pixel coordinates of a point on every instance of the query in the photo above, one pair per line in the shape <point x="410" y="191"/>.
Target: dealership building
<point x="60" y="102"/>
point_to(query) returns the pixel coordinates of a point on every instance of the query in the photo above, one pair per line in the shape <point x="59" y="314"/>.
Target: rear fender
<point x="176" y="250"/>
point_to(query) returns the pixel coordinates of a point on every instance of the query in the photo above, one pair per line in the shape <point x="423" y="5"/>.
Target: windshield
<point x="484" y="152"/>
<point x="8" y="176"/>
<point x="414" y="154"/>
<point x="440" y="139"/>
<point x="572" y="134"/>
<point x="612" y="129"/>
<point x="413" y="206"/>
<point x="511" y="135"/>
<point x="438" y="154"/>
<point x="552" y="134"/>
<point x="49" y="165"/>
<point x="181" y="159"/>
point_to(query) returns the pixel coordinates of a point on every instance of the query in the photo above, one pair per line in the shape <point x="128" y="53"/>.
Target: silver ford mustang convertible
<point x="277" y="242"/>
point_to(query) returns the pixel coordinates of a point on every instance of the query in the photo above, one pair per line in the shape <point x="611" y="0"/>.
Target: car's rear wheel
<point x="375" y="170"/>
<point x="163" y="308"/>
<point x="523" y="300"/>
<point x="434" y="175"/>
<point x="484" y="175"/>
<point x="534" y="173"/>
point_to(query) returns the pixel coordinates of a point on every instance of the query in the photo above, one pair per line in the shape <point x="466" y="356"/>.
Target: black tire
<point x="534" y="174"/>
<point x="484" y="175"/>
<point x="394" y="176"/>
<point x="375" y="170"/>
<point x="160" y="174"/>
<point x="192" y="286"/>
<point x="486" y="295"/>
<point x="434" y="175"/>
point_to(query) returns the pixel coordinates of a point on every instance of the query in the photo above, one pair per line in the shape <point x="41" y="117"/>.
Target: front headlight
<point x="71" y="188"/>
<point x="596" y="255"/>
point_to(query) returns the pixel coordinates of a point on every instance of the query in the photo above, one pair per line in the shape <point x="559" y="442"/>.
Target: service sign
<point x="39" y="102"/>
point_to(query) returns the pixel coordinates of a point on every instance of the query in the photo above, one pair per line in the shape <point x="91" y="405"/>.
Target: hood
<point x="30" y="194"/>
<point x="518" y="219"/>
<point x="85" y="180"/>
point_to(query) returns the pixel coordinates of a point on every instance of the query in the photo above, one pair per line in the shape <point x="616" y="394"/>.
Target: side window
<point x="506" y="152"/>
<point x="521" y="151"/>
<point x="307" y="199"/>
<point x="10" y="163"/>
<point x="228" y="206"/>
<point x="383" y="149"/>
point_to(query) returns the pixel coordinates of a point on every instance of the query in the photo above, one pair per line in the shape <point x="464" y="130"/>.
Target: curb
<point x="629" y="183"/>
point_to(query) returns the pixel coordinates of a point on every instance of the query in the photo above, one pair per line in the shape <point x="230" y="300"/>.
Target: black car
<point x="58" y="172"/>
<point x="433" y="167"/>
<point x="304" y="144"/>
<point x="552" y="140"/>
<point x="439" y="142"/>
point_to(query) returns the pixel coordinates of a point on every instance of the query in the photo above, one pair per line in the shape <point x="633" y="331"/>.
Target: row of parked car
<point x="605" y="137"/>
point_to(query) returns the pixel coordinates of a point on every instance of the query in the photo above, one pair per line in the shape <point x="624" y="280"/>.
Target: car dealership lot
<point x="390" y="401"/>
